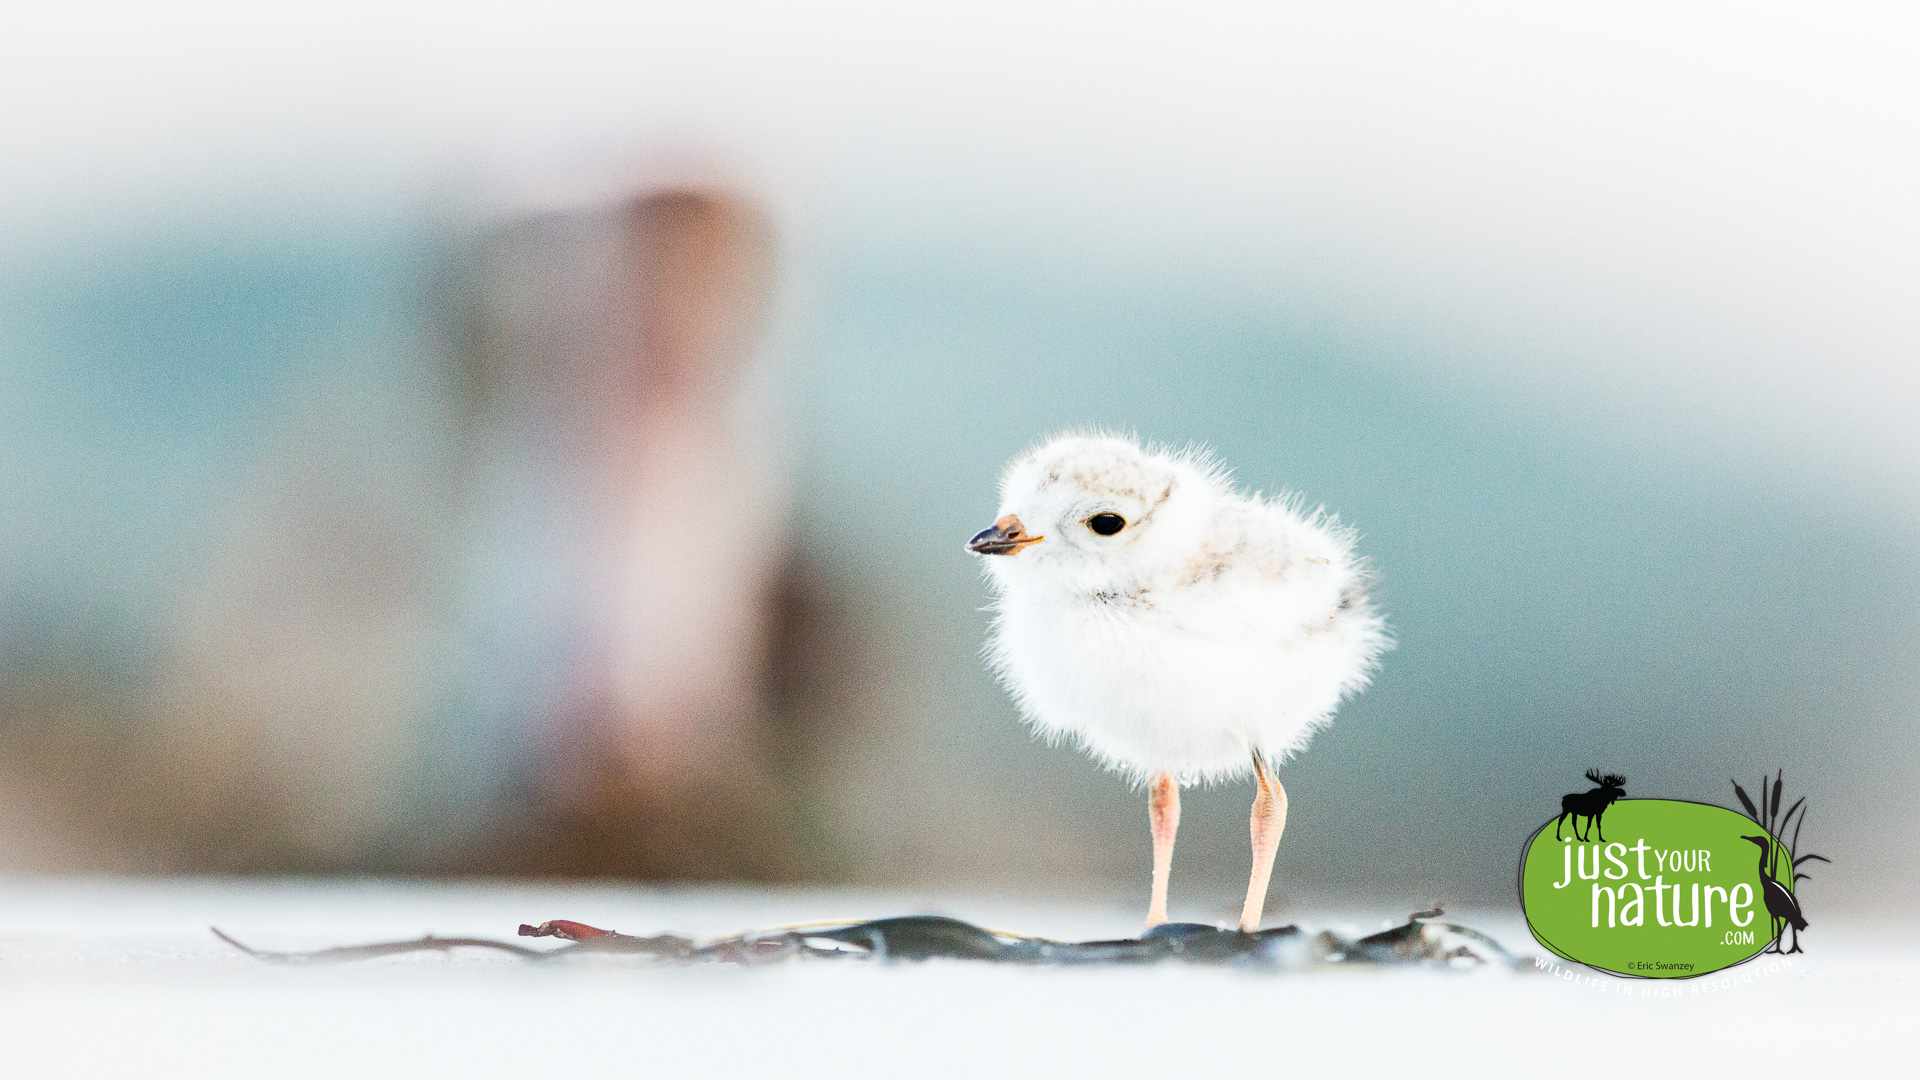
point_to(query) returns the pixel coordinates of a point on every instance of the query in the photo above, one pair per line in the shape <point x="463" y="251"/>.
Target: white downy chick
<point x="1178" y="630"/>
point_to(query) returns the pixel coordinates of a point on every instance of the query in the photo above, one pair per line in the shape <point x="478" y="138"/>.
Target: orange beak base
<point x="1006" y="537"/>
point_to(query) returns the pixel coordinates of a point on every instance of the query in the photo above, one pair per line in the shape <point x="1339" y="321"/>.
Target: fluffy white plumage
<point x="1210" y="625"/>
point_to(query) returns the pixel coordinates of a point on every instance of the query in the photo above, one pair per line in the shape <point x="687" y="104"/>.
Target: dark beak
<point x="1007" y="537"/>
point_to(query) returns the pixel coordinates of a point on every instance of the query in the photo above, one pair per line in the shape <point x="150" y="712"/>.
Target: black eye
<point x="1106" y="524"/>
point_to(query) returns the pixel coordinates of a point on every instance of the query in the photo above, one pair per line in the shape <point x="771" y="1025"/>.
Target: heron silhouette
<point x="1781" y="906"/>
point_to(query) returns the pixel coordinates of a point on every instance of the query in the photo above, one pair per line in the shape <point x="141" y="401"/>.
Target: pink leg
<point x="1163" y="810"/>
<point x="1269" y="821"/>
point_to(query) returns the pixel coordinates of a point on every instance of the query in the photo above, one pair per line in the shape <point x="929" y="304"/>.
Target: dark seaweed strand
<point x="347" y="953"/>
<point x="936" y="937"/>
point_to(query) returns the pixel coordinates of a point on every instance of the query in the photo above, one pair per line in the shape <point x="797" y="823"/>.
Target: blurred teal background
<point x="1562" y="601"/>
<point x="1640" y="498"/>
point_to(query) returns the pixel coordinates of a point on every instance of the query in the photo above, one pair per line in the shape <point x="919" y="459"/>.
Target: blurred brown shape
<point x="601" y="510"/>
<point x="658" y="764"/>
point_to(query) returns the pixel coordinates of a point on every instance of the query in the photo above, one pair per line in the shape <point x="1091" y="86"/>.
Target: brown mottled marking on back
<point x="1233" y="544"/>
<point x="1212" y="560"/>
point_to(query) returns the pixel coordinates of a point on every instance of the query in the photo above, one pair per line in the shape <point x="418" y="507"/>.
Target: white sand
<point x="121" y="978"/>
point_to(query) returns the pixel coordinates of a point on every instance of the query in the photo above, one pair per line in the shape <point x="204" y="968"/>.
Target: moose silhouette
<point x="1590" y="805"/>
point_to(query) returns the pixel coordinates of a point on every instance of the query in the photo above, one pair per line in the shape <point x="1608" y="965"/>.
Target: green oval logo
<point x="1657" y="888"/>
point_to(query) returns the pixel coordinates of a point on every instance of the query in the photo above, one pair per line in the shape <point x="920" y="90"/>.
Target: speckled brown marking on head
<point x="1104" y="478"/>
<point x="1154" y="506"/>
<point x="1122" y="477"/>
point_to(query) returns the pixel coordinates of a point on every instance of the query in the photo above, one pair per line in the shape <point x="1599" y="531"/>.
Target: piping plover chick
<point x="1176" y="629"/>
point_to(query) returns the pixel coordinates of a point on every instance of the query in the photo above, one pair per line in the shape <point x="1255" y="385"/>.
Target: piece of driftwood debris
<point x="1420" y="941"/>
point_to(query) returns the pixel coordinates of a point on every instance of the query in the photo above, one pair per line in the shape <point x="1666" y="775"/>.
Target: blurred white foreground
<point x="116" y="977"/>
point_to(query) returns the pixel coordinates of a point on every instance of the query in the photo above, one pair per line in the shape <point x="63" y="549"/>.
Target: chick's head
<point x="1096" y="513"/>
